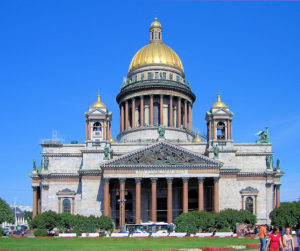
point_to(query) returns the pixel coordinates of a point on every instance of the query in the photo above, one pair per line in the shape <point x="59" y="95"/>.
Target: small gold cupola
<point x="219" y="103"/>
<point x="198" y="139"/>
<point x="98" y="103"/>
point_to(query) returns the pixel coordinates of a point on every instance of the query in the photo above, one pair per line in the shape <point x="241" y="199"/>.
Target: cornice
<point x="254" y="153"/>
<point x="62" y="154"/>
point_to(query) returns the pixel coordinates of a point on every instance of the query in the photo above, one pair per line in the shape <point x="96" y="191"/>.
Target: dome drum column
<point x="185" y="113"/>
<point x="179" y="113"/>
<point x="142" y="110"/>
<point x="126" y="115"/>
<point x="161" y="107"/>
<point x="190" y="117"/>
<point x="151" y="109"/>
<point x="133" y="125"/>
<point x="171" y="111"/>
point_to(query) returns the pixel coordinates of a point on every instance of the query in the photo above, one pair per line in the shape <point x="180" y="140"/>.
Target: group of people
<point x="276" y="240"/>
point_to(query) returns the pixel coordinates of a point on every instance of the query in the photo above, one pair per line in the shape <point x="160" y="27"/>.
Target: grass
<point x="117" y="243"/>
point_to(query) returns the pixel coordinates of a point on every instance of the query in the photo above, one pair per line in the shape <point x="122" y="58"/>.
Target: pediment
<point x="163" y="154"/>
<point x="97" y="111"/>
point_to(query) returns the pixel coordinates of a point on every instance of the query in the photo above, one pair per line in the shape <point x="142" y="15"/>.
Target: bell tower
<point x="98" y="123"/>
<point x="219" y="123"/>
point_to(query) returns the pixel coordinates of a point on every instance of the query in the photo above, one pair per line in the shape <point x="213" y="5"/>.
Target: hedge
<point x="40" y="232"/>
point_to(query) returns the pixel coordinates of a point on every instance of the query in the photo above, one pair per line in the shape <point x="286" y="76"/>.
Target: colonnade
<point x="138" y="199"/>
<point x="172" y="111"/>
<point x="36" y="203"/>
<point x="276" y="198"/>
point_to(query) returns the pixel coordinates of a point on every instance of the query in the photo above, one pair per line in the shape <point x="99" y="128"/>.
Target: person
<point x="287" y="240"/>
<point x="274" y="240"/>
<point x="262" y="237"/>
<point x="298" y="235"/>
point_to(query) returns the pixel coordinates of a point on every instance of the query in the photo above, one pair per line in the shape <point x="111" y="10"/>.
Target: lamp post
<point x="121" y="202"/>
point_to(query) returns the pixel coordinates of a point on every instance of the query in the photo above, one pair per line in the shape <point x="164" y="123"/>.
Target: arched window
<point x="66" y="206"/>
<point x="249" y="204"/>
<point x="221" y="131"/>
<point x="97" y="127"/>
<point x="156" y="113"/>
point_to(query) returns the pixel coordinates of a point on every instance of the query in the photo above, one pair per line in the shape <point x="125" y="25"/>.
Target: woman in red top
<point x="274" y="240"/>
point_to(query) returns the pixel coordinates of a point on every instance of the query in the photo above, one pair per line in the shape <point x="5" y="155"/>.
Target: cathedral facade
<point x="157" y="168"/>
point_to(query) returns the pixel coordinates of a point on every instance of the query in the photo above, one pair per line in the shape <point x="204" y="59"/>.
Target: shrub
<point x="105" y="223"/>
<point x="224" y="230"/>
<point x="1" y="232"/>
<point x="287" y="215"/>
<point x="47" y="220"/>
<point x="186" y="223"/>
<point x="40" y="232"/>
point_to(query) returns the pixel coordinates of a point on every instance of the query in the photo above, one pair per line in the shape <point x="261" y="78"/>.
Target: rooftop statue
<point x="34" y="164"/>
<point x="161" y="131"/>
<point x="106" y="152"/>
<point x="263" y="136"/>
<point x="278" y="165"/>
<point x="216" y="151"/>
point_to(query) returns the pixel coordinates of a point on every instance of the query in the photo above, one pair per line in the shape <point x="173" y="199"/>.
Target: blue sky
<point x="55" y="55"/>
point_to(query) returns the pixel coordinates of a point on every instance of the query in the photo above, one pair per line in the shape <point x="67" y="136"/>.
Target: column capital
<point x="138" y="180"/>
<point x="216" y="179"/>
<point x="185" y="180"/>
<point x="35" y="188"/>
<point x="106" y="180"/>
<point x="169" y="180"/>
<point x="200" y="180"/>
<point x="122" y="181"/>
<point x="153" y="180"/>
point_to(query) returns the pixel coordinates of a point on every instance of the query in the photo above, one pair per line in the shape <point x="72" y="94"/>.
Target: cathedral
<point x="158" y="167"/>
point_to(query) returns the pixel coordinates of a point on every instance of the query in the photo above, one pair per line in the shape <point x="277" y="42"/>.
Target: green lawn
<point x="117" y="243"/>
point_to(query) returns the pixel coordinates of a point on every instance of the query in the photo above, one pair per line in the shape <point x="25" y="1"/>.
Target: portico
<point x="159" y="182"/>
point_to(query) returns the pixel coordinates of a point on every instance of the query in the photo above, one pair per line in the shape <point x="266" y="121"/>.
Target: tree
<point x="47" y="220"/>
<point x="28" y="218"/>
<point x="66" y="221"/>
<point x="6" y="213"/>
<point x="105" y="223"/>
<point x="287" y="215"/>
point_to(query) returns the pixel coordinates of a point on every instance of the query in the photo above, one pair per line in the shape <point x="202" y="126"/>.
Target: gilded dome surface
<point x="156" y="53"/>
<point x="98" y="103"/>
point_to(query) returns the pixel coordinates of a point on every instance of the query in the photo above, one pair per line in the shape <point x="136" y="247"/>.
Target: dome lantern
<point x="155" y="31"/>
<point x="219" y="103"/>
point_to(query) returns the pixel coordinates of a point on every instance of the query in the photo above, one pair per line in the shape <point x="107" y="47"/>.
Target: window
<point x="155" y="35"/>
<point x="142" y="76"/>
<point x="97" y="127"/>
<point x="171" y="76"/>
<point x="156" y="75"/>
<point x="150" y="75"/>
<point x="66" y="206"/>
<point x="221" y="131"/>
<point x="249" y="204"/>
<point x="177" y="78"/>
<point x="163" y="75"/>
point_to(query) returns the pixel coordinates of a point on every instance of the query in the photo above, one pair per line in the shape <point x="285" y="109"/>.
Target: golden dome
<point x="198" y="139"/>
<point x="155" y="24"/>
<point x="98" y="103"/>
<point x="219" y="103"/>
<point x="156" y="52"/>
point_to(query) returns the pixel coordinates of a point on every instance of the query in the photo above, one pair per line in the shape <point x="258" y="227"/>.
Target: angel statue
<point x="34" y="164"/>
<point x="161" y="131"/>
<point x="106" y="152"/>
<point x="216" y="151"/>
<point x="263" y="136"/>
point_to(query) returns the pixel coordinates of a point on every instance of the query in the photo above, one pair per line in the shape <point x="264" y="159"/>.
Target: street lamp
<point x="121" y="202"/>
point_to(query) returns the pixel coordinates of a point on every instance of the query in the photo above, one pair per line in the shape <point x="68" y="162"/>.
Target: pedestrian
<point x="287" y="240"/>
<point x="262" y="237"/>
<point x="298" y="235"/>
<point x="274" y="240"/>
